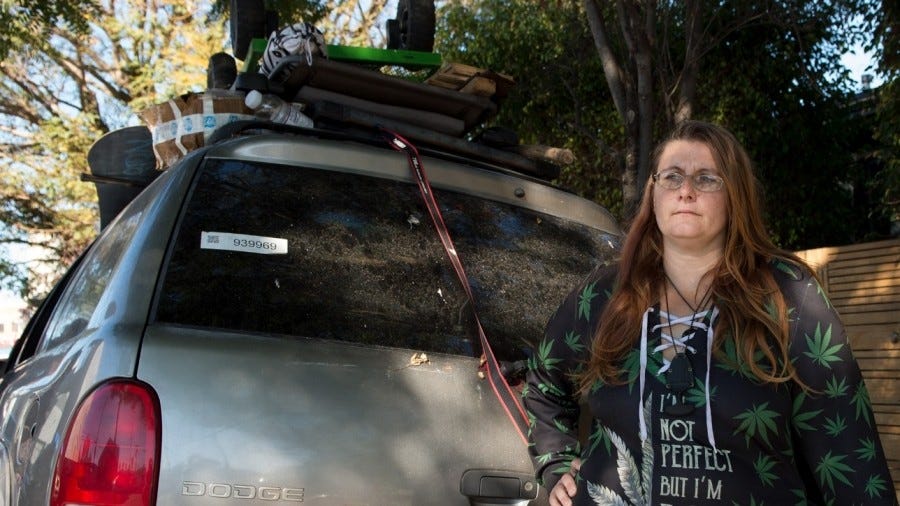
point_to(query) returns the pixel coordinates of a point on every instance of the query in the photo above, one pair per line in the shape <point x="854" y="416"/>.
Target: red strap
<point x="508" y="398"/>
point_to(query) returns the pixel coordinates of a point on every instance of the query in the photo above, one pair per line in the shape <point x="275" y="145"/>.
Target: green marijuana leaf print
<point x="697" y="394"/>
<point x="875" y="485"/>
<point x="801" y="497"/>
<point x="824" y="296"/>
<point x="757" y="421"/>
<point x="733" y="362"/>
<point x="560" y="426"/>
<point x="831" y="468"/>
<point x="820" y="349"/>
<point x="544" y="357"/>
<point x="833" y="389"/>
<point x="834" y="426"/>
<point x="597" y="437"/>
<point x="787" y="269"/>
<point x="763" y="465"/>
<point x="564" y="469"/>
<point x="584" y="301"/>
<point x="632" y="366"/>
<point x="550" y="388"/>
<point x="866" y="450"/>
<point x="801" y="418"/>
<point x="860" y="399"/>
<point x="544" y="458"/>
<point x="573" y="341"/>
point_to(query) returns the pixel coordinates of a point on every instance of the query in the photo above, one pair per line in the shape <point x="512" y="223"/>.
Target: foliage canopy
<point x="605" y="79"/>
<point x="769" y="71"/>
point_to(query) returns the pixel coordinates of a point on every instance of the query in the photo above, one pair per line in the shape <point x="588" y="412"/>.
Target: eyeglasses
<point x="673" y="179"/>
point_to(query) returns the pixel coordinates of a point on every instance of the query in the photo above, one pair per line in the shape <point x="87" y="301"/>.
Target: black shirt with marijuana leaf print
<point x="774" y="444"/>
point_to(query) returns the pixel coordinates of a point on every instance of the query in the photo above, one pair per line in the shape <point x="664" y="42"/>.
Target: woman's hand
<point x="564" y="490"/>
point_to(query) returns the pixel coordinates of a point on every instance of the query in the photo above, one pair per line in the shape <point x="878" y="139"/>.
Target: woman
<point x="713" y="367"/>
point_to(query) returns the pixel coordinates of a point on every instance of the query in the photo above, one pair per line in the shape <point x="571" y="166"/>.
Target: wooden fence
<point x="863" y="282"/>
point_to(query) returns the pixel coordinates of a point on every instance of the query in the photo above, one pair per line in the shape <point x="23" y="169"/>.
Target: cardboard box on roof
<point x="184" y="123"/>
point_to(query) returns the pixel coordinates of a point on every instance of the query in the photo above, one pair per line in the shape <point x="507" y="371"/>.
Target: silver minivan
<point x="274" y="321"/>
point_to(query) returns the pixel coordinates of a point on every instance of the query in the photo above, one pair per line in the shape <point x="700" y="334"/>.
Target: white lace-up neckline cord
<point x="695" y="321"/>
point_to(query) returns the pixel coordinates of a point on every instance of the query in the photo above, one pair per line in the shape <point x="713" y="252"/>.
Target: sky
<point x="859" y="62"/>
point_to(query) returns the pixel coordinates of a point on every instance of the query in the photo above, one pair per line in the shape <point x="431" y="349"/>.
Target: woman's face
<point x="687" y="217"/>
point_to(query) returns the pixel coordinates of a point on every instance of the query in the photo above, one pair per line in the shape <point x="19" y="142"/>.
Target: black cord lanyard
<point x="508" y="398"/>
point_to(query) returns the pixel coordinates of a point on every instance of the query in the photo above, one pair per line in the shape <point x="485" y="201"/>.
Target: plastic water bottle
<point x="272" y="107"/>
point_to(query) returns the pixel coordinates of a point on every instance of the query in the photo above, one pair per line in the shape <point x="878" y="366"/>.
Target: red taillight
<point x="111" y="450"/>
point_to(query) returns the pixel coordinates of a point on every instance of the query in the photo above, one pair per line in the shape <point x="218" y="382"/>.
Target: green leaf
<point x="632" y="367"/>
<point x="584" y="301"/>
<point x="550" y="388"/>
<point x="834" y="426"/>
<point x="801" y="497"/>
<point x="801" y="418"/>
<point x="697" y="394"/>
<point x="788" y="269"/>
<point x="863" y="405"/>
<point x="824" y="295"/>
<point x="598" y="384"/>
<point x="875" y="486"/>
<point x="573" y="341"/>
<point x="820" y="349"/>
<point x="866" y="450"/>
<point x="763" y="466"/>
<point x="757" y="421"/>
<point x="560" y="426"/>
<point x="599" y="436"/>
<point x="831" y="468"/>
<point x="546" y="360"/>
<point x="734" y="364"/>
<point x="834" y="389"/>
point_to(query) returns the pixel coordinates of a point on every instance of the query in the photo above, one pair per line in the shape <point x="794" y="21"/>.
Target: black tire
<point x="416" y="21"/>
<point x="247" y="22"/>
<point x="221" y="72"/>
<point x="393" y="34"/>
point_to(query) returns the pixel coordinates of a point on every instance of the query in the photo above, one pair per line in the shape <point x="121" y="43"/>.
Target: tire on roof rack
<point x="248" y="20"/>
<point x="221" y="71"/>
<point x="413" y="28"/>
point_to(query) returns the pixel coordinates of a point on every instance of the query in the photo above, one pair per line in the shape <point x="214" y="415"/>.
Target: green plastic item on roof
<point x="351" y="54"/>
<point x="402" y="57"/>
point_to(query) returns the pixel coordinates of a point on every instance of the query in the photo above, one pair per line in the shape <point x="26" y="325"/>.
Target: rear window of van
<point x="309" y="253"/>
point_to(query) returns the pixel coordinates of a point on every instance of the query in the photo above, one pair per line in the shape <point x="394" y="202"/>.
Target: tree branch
<point x="612" y="69"/>
<point x="687" y="91"/>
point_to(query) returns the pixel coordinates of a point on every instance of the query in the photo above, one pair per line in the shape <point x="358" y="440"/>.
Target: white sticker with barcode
<point x="242" y="242"/>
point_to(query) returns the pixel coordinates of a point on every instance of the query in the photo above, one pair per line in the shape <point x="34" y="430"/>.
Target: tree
<point x="24" y="24"/>
<point x="77" y="70"/>
<point x="768" y="70"/>
<point x="556" y="99"/>
<point x="62" y="90"/>
<point x="886" y="45"/>
<point x="653" y="68"/>
<point x="348" y="22"/>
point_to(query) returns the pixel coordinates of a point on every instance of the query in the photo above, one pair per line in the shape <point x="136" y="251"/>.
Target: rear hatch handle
<point x="490" y="487"/>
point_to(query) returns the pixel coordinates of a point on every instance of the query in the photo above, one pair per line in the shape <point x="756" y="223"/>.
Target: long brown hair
<point x="752" y="309"/>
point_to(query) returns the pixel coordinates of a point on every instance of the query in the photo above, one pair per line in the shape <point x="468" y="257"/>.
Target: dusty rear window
<point x="302" y="252"/>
